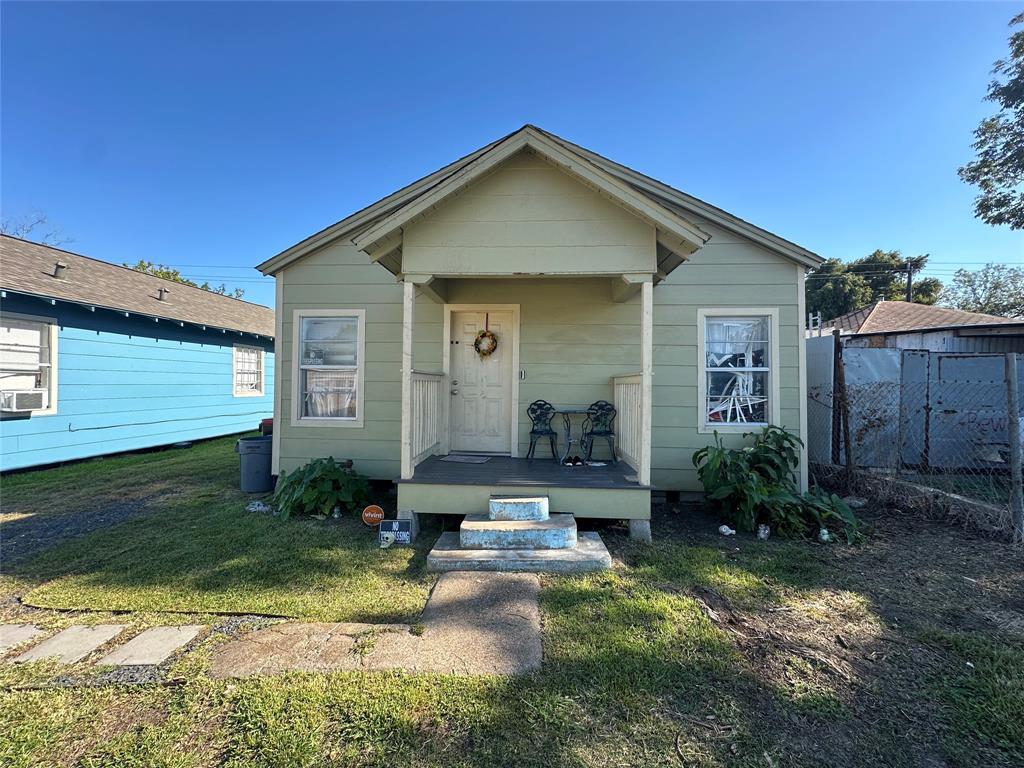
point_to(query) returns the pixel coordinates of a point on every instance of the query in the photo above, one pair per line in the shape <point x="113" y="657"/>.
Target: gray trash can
<point x="255" y="458"/>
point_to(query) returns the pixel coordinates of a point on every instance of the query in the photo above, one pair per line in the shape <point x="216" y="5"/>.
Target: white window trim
<point x="51" y="407"/>
<point x="297" y="419"/>
<point x="234" y="371"/>
<point x="705" y="427"/>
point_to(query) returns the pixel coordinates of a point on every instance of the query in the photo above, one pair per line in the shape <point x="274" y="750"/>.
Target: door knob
<point x="455" y="391"/>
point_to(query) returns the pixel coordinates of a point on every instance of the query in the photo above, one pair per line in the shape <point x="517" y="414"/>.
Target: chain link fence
<point x="926" y="433"/>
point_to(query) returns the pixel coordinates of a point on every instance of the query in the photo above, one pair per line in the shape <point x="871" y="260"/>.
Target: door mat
<point x="466" y="459"/>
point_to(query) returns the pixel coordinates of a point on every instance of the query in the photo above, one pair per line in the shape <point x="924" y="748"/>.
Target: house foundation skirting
<point x="606" y="503"/>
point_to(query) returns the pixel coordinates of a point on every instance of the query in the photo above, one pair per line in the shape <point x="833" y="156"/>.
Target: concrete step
<point x="518" y="508"/>
<point x="480" y="532"/>
<point x="589" y="554"/>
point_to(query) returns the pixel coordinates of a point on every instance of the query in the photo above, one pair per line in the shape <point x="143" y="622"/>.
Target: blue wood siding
<point x="126" y="383"/>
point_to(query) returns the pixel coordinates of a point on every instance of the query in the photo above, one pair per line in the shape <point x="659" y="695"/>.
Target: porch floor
<point x="542" y="472"/>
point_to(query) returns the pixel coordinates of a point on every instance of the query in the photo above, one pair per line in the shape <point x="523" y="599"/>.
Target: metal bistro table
<point x="567" y="414"/>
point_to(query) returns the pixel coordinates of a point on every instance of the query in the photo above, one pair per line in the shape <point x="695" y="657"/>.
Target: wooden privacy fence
<point x="427" y="414"/>
<point x="629" y="427"/>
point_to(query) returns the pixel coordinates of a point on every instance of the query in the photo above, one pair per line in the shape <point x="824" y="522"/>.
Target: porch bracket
<point x="625" y="287"/>
<point x="434" y="288"/>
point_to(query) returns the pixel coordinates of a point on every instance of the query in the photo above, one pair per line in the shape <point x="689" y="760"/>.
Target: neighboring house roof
<point x="897" y="316"/>
<point x="27" y="267"/>
<point x="373" y="228"/>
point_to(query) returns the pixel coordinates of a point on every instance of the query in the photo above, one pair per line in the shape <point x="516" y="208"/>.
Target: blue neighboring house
<point x="96" y="358"/>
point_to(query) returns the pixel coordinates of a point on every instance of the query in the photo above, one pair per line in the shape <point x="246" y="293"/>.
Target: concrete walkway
<point x="473" y="624"/>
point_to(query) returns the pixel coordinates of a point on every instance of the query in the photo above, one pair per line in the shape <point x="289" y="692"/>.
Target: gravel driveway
<point x="25" y="537"/>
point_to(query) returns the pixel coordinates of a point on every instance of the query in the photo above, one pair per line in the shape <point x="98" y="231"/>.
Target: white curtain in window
<point x="330" y="394"/>
<point x="329" y="366"/>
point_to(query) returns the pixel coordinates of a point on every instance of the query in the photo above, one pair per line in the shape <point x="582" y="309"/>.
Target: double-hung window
<point x="28" y="364"/>
<point x="329" y="351"/>
<point x="248" y="371"/>
<point x="738" y="368"/>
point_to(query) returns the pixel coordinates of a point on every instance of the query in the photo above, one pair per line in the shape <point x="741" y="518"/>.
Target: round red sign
<point x="373" y="515"/>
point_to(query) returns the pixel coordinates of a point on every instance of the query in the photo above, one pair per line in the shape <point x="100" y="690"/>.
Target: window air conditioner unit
<point x="22" y="400"/>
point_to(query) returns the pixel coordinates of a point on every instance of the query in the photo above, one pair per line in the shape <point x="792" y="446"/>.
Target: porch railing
<point x="629" y="404"/>
<point x="427" y="414"/>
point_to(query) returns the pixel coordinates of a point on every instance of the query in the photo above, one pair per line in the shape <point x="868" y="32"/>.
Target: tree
<point x="833" y="290"/>
<point x="998" y="171"/>
<point x="996" y="289"/>
<point x="838" y="287"/>
<point x="169" y="273"/>
<point x="34" y="221"/>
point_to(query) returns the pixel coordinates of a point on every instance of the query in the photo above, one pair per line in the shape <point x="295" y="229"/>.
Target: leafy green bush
<point x="320" y="486"/>
<point x="757" y="484"/>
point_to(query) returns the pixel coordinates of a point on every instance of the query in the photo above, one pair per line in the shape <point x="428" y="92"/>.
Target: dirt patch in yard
<point x="885" y="657"/>
<point x="26" y="534"/>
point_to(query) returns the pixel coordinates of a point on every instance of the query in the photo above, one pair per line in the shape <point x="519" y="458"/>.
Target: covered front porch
<point x="594" y="344"/>
<point x="558" y="260"/>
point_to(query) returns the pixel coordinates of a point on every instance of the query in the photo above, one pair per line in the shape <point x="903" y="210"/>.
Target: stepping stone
<point x="16" y="634"/>
<point x="73" y="644"/>
<point x="151" y="647"/>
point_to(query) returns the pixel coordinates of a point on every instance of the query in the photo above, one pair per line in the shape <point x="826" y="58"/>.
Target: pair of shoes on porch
<point x="573" y="461"/>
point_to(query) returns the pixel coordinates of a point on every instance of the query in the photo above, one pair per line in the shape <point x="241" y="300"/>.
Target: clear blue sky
<point x="218" y="134"/>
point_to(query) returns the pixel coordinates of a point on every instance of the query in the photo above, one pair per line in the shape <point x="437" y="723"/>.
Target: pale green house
<point x="599" y="283"/>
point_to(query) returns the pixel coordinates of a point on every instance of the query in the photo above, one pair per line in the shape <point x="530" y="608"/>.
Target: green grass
<point x="696" y="651"/>
<point x="984" y="688"/>
<point x="198" y="550"/>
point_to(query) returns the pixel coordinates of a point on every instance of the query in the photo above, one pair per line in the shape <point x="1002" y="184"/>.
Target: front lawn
<point x="195" y="549"/>
<point x="698" y="650"/>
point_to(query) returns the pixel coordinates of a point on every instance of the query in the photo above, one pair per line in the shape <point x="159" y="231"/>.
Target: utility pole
<point x="910" y="275"/>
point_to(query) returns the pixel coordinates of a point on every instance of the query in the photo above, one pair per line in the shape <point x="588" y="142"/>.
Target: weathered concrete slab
<point x="555" y="532"/>
<point x="73" y="644"/>
<point x="480" y="624"/>
<point x="473" y="624"/>
<point x="589" y="554"/>
<point x="12" y="635"/>
<point x="313" y="647"/>
<point x="151" y="647"/>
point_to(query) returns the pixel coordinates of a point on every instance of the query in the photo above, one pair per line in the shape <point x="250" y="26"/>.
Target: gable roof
<point x="666" y="207"/>
<point x="29" y="268"/>
<point x="674" y="198"/>
<point x="896" y="316"/>
<point x="683" y="237"/>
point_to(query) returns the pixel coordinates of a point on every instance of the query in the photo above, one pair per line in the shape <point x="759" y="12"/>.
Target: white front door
<point x="481" y="387"/>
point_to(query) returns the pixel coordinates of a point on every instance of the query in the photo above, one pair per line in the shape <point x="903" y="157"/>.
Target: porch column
<point x="646" y="378"/>
<point x="408" y="323"/>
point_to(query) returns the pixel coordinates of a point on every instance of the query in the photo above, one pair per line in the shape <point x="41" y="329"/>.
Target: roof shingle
<point x="28" y="267"/>
<point x="889" y="316"/>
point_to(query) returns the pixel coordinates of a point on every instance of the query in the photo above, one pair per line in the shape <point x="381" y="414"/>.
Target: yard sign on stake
<point x="373" y="515"/>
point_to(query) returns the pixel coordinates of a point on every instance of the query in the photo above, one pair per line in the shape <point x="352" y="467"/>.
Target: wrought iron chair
<point x="541" y="413"/>
<point x="600" y="422"/>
